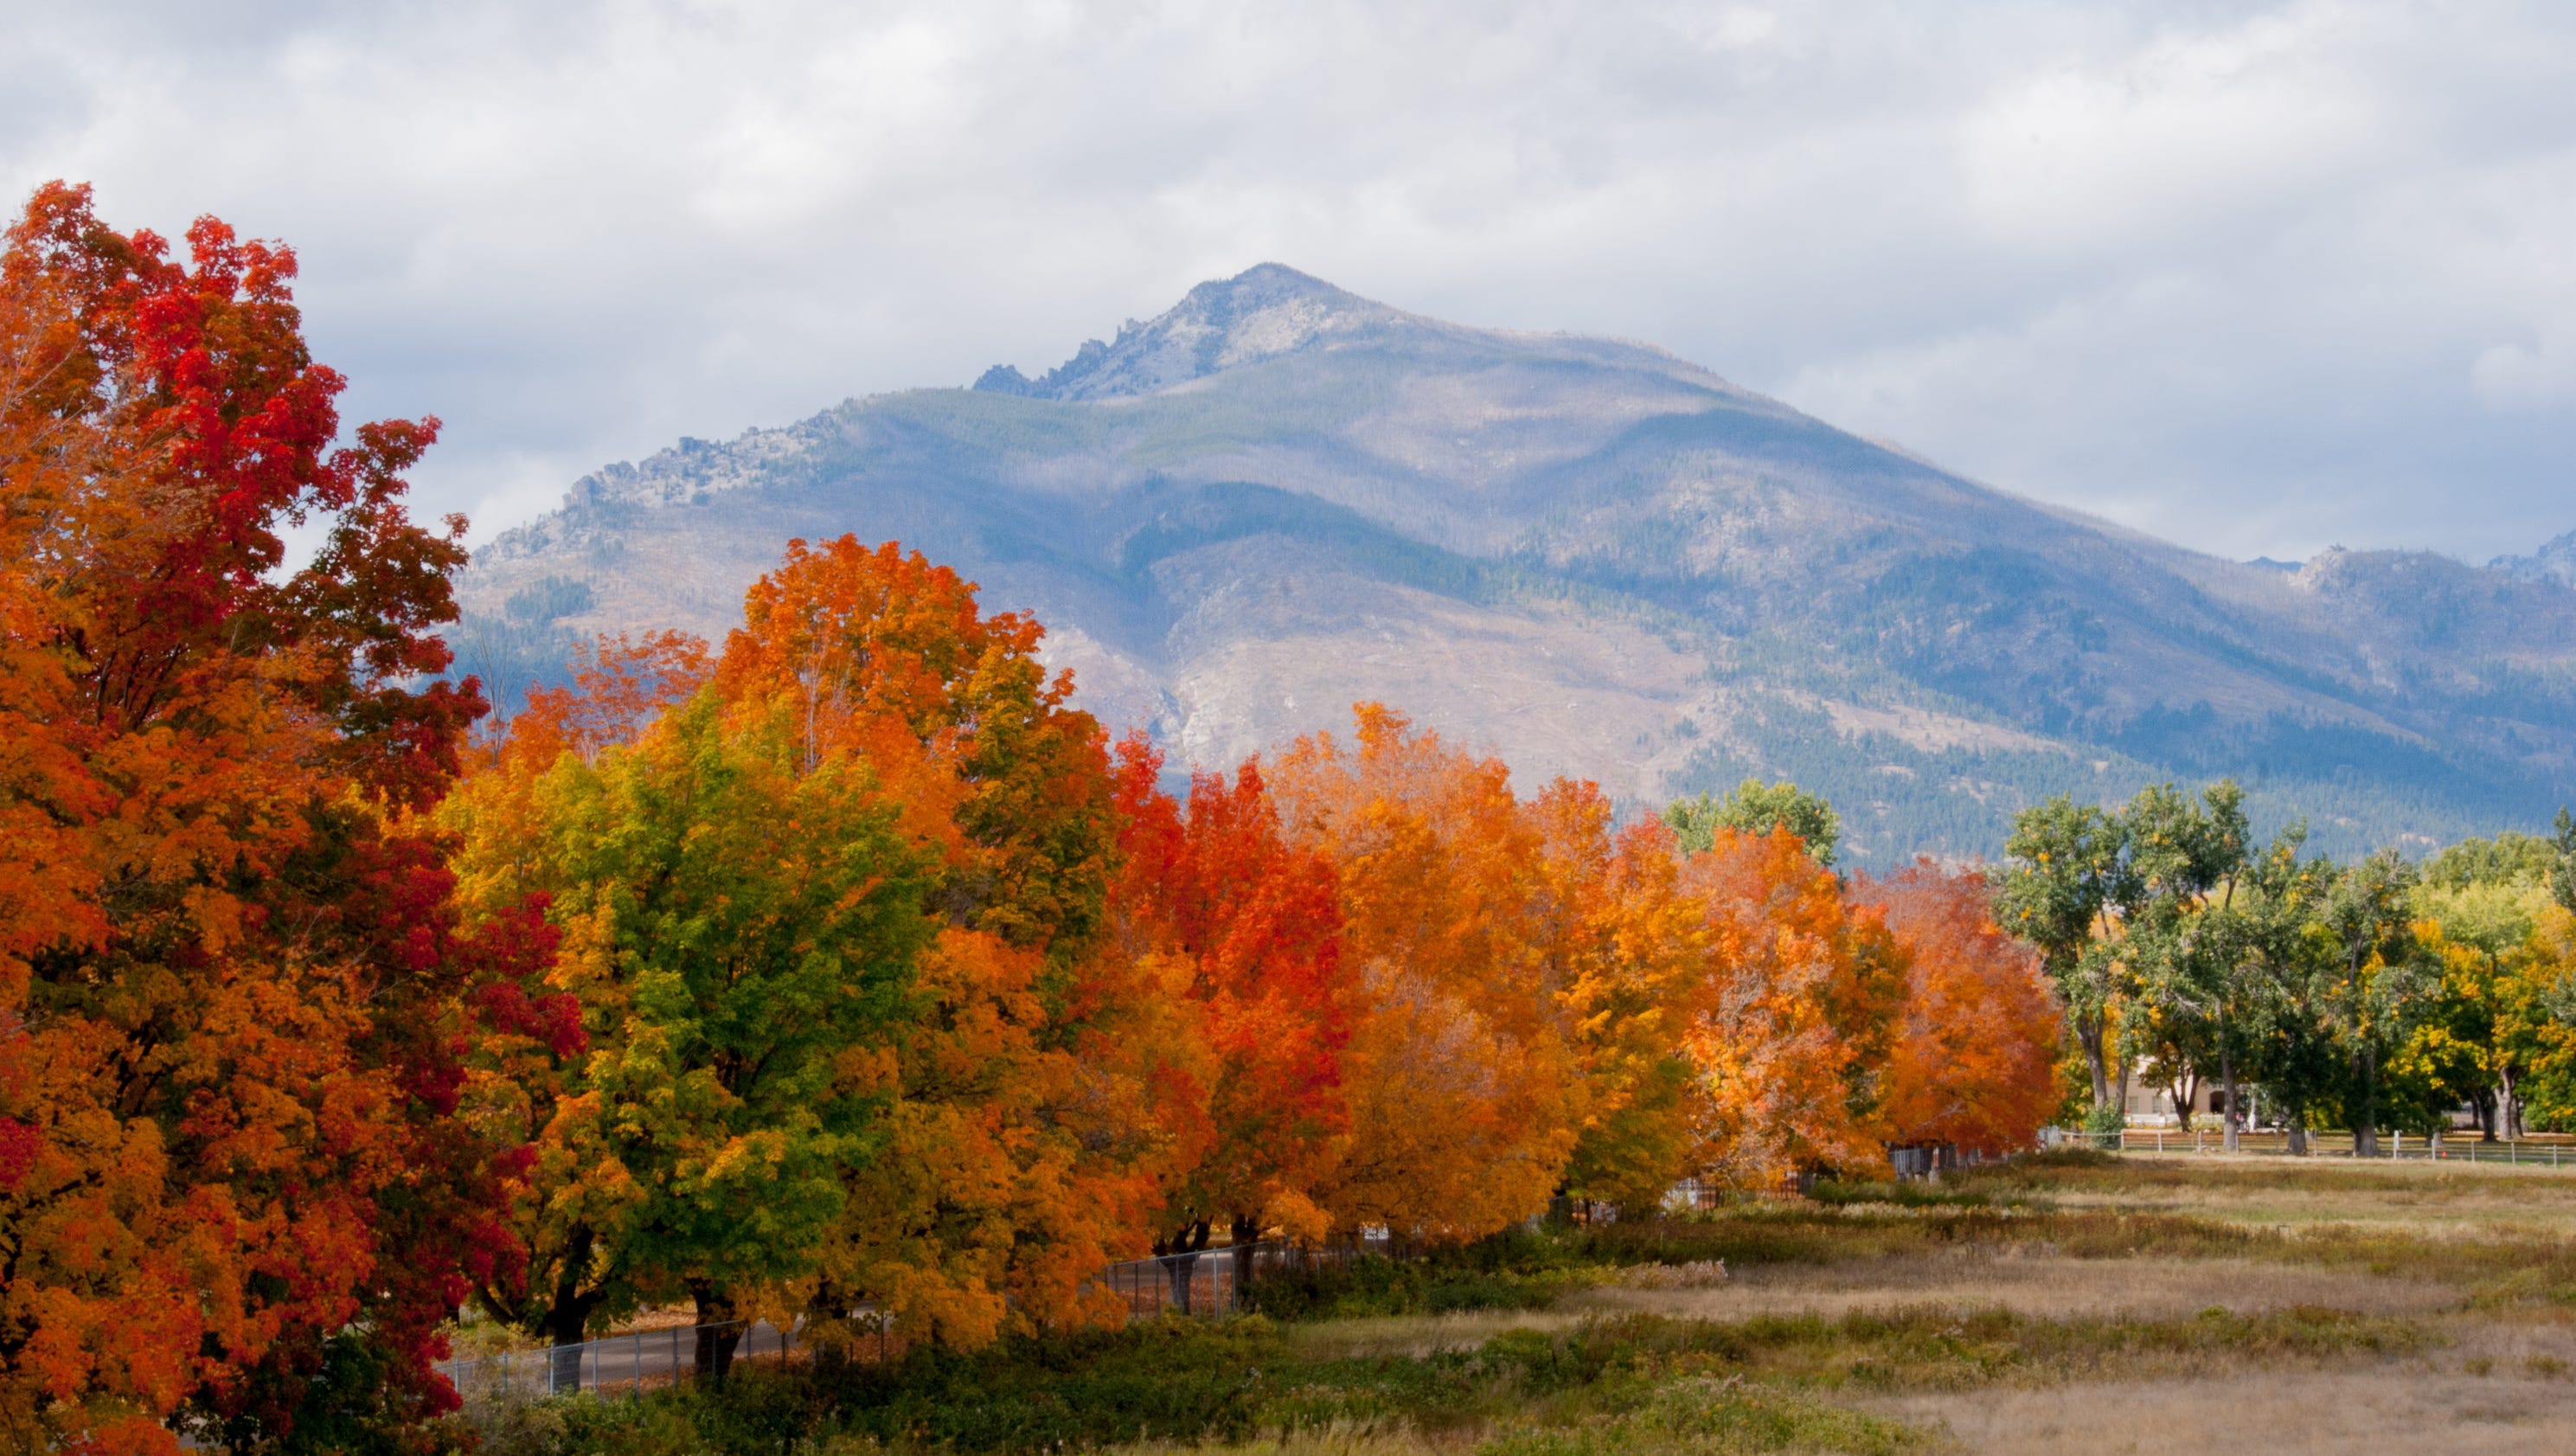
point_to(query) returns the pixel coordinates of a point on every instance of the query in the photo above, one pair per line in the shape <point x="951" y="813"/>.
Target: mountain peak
<point x="1262" y="312"/>
<point x="2555" y="561"/>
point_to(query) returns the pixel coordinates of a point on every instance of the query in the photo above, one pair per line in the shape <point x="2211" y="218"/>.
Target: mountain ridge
<point x="1596" y="557"/>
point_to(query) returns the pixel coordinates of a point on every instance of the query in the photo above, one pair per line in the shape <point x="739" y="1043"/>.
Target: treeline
<point x="880" y="976"/>
<point x="2376" y="995"/>
<point x="844" y="964"/>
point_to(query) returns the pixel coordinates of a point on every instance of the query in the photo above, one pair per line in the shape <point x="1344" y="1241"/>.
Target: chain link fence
<point x="1208" y="1282"/>
<point x="627" y="1364"/>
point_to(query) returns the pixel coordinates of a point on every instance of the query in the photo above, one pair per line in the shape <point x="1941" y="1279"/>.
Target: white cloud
<point x="2522" y="377"/>
<point x="2255" y="276"/>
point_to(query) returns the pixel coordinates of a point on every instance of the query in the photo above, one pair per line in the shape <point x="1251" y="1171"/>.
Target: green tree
<point x="2379" y="983"/>
<point x="743" y="932"/>
<point x="2286" y="961"/>
<point x="2185" y="935"/>
<point x="2507" y="859"/>
<point x="2069" y="875"/>
<point x="2562" y="869"/>
<point x="1757" y="808"/>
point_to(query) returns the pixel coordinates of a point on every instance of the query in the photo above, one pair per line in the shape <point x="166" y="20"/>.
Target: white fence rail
<point x="2410" y="1147"/>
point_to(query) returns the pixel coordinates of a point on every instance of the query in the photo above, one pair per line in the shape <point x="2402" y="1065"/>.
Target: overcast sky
<point x="2256" y="277"/>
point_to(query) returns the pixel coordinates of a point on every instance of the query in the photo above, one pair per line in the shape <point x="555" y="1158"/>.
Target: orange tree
<point x="230" y="990"/>
<point x="1460" y="1081"/>
<point x="1973" y="1062"/>
<point x="1792" y="1049"/>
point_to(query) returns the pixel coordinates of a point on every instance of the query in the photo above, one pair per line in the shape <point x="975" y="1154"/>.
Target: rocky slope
<point x="1592" y="557"/>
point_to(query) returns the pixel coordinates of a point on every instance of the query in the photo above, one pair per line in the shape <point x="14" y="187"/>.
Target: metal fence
<point x="1931" y="1160"/>
<point x="1209" y="1282"/>
<point x="2410" y="1147"/>
<point x="627" y="1364"/>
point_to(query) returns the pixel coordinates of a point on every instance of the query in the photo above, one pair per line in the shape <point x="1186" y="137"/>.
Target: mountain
<point x="2555" y="561"/>
<point x="1596" y="558"/>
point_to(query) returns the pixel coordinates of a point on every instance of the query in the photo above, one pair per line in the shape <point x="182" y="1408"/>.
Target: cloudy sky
<point x="2256" y="277"/>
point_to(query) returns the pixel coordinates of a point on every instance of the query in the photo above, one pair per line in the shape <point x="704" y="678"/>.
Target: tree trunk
<point x="2483" y="1104"/>
<point x="567" y="1319"/>
<point x="2298" y="1135"/>
<point x="715" y="1346"/>
<point x="2509" y="1106"/>
<point x="1247" y="1232"/>
<point x="2227" y="1077"/>
<point x="829" y="1309"/>
<point x="2088" y="1031"/>
<point x="2365" y="1128"/>
<point x="563" y="1368"/>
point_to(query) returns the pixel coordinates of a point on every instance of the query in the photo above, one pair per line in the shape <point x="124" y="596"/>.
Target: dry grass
<point x="2041" y="1286"/>
<point x="1340" y="1439"/>
<point x="2444" y="1200"/>
<point x="2408" y="1408"/>
<point x="2461" y="1270"/>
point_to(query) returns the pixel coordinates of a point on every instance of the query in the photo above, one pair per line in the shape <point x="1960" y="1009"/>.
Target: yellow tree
<point x="1630" y="957"/>
<point x="527" y="1084"/>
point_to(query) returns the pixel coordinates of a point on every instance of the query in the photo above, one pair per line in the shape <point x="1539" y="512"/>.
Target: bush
<point x="1835" y="1193"/>
<point x="1465" y="1279"/>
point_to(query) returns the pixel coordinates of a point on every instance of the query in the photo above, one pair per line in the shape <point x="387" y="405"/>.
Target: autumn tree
<point x="1792" y="1052"/>
<point x="1629" y="955"/>
<point x="1458" y="1073"/>
<point x="230" y="989"/>
<point x="2480" y="909"/>
<point x="1979" y="1029"/>
<point x="1255" y="924"/>
<point x="1028" y="1136"/>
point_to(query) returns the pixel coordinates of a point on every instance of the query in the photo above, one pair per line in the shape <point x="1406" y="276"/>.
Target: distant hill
<point x="1592" y="557"/>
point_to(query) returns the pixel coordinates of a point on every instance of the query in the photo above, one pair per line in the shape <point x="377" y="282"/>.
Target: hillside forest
<point x="844" y="964"/>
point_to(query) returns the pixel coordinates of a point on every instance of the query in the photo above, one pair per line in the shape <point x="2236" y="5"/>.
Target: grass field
<point x="2129" y="1304"/>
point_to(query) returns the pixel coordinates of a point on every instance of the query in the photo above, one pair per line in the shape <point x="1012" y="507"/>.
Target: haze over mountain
<point x="1592" y="557"/>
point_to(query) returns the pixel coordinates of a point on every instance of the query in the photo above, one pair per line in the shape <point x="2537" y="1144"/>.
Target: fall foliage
<point x="1792" y="1051"/>
<point x="1970" y="1064"/>
<point x="1255" y="926"/>
<point x="848" y="967"/>
<point x="1460" y="1077"/>
<point x="231" y="982"/>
